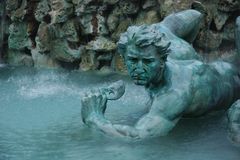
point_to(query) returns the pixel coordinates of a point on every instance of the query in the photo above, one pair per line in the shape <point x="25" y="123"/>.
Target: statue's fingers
<point x="89" y="95"/>
<point x="98" y="96"/>
<point x="86" y="103"/>
<point x="91" y="101"/>
<point x="93" y="91"/>
<point x="83" y="100"/>
<point x="85" y="94"/>
<point x="92" y="94"/>
<point x="84" y="113"/>
<point x="104" y="98"/>
<point x="97" y="93"/>
<point x="86" y="100"/>
<point x="103" y="103"/>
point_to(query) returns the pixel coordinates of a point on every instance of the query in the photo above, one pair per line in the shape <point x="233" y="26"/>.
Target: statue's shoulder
<point x="184" y="64"/>
<point x="181" y="50"/>
<point x="182" y="71"/>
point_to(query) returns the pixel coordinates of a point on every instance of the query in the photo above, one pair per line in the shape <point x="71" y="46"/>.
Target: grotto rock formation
<point x="82" y="34"/>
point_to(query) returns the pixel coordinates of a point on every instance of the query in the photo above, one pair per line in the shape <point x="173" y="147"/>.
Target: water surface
<point x="40" y="120"/>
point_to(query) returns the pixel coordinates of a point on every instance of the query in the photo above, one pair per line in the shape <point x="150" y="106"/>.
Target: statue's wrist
<point x="95" y="119"/>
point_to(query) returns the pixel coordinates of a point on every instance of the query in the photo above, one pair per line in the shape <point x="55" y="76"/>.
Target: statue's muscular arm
<point x="165" y="112"/>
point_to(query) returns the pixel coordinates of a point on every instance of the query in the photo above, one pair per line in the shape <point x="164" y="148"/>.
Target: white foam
<point x="44" y="85"/>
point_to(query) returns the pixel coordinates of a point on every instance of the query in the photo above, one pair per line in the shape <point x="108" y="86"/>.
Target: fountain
<point x="44" y="113"/>
<point x="178" y="81"/>
<point x="40" y="119"/>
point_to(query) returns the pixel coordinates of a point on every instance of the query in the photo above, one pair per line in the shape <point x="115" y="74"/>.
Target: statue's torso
<point x="205" y="86"/>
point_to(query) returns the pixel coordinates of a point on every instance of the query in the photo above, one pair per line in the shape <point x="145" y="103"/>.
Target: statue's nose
<point x="140" y="64"/>
<point x="139" y="68"/>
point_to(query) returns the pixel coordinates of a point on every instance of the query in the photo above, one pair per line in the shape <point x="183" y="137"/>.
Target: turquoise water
<point x="40" y="120"/>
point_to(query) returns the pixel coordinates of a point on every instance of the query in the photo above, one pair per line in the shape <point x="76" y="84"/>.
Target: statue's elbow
<point x="151" y="133"/>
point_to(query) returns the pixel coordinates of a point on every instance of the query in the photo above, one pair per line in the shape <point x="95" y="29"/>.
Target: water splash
<point x="43" y="85"/>
<point x="46" y="125"/>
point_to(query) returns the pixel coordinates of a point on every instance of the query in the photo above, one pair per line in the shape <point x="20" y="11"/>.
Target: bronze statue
<point x="160" y="58"/>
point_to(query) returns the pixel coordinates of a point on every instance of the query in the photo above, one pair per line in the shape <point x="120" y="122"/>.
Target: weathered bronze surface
<point x="161" y="58"/>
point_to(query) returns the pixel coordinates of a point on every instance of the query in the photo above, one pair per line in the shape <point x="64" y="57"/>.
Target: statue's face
<point x="144" y="64"/>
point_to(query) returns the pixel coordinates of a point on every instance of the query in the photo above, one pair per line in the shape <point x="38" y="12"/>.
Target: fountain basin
<point x="40" y="119"/>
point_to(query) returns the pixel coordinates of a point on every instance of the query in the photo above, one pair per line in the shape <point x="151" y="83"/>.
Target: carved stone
<point x="93" y="24"/>
<point x="54" y="39"/>
<point x="149" y="3"/>
<point x="147" y="17"/>
<point x="111" y="2"/>
<point x="74" y="23"/>
<point x="228" y="5"/>
<point x="42" y="10"/>
<point x="112" y="22"/>
<point x="16" y="57"/>
<point x="101" y="44"/>
<point x="12" y="4"/>
<point x="42" y="60"/>
<point x="17" y="9"/>
<point x="61" y="10"/>
<point x="89" y="61"/>
<point x="237" y="34"/>
<point x="18" y="38"/>
<point x="122" y="27"/>
<point x="208" y="40"/>
<point x="220" y="18"/>
<point x="228" y="33"/>
<point x="128" y="7"/>
<point x="43" y="38"/>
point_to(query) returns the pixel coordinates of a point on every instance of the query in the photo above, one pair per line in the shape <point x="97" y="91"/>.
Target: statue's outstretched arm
<point x="164" y="114"/>
<point x="159" y="121"/>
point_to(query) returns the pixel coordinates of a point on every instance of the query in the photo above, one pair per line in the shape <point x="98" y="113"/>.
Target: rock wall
<point x="82" y="34"/>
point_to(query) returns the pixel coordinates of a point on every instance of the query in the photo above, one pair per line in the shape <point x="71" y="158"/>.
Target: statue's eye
<point x="132" y="59"/>
<point x="147" y="61"/>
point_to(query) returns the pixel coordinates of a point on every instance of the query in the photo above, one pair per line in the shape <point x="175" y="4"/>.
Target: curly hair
<point x="143" y="36"/>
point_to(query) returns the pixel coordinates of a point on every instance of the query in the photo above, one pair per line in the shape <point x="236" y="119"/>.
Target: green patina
<point x="179" y="83"/>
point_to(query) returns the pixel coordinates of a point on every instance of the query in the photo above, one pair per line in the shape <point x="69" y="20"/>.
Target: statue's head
<point x="144" y="49"/>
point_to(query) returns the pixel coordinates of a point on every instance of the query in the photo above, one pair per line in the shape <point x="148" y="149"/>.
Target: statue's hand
<point x="93" y="106"/>
<point x="94" y="102"/>
<point x="115" y="90"/>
